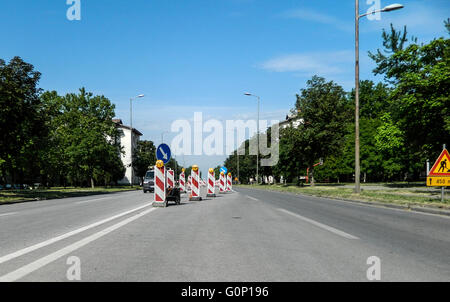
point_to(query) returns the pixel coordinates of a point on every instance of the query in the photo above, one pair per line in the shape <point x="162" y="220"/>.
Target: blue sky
<point x="200" y="55"/>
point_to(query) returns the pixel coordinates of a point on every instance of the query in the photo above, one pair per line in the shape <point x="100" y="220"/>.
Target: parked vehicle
<point x="149" y="181"/>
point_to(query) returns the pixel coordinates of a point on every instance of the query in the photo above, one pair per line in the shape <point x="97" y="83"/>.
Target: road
<point x="247" y="235"/>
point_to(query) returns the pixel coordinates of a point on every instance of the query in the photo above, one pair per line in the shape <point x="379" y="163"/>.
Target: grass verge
<point x="392" y="196"/>
<point x="55" y="193"/>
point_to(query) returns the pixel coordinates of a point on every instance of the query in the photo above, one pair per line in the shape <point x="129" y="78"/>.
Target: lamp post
<point x="257" y="136"/>
<point x="357" y="145"/>
<point x="131" y="135"/>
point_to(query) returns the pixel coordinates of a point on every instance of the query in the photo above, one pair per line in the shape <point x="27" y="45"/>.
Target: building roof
<point x="120" y="124"/>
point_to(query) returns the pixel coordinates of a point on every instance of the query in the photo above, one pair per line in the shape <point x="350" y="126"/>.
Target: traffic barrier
<point x="189" y="184"/>
<point x="211" y="183"/>
<point x="160" y="185"/>
<point x="229" y="183"/>
<point x="170" y="179"/>
<point x="182" y="182"/>
<point x="222" y="183"/>
<point x="195" y="190"/>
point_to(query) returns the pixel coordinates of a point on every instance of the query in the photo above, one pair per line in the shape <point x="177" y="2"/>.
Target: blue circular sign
<point x="224" y="170"/>
<point x="163" y="153"/>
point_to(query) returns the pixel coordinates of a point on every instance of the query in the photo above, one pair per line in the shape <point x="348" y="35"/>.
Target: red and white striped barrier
<point x="189" y="184"/>
<point x="195" y="192"/>
<point x="229" y="183"/>
<point x="211" y="183"/>
<point x="182" y="182"/>
<point x="170" y="179"/>
<point x="222" y="183"/>
<point x="160" y="185"/>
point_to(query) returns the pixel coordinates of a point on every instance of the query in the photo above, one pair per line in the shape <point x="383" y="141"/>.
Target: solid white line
<point x="29" y="268"/>
<point x="321" y="225"/>
<point x="66" y="235"/>
<point x="86" y="201"/>
<point x="8" y="214"/>
<point x="252" y="198"/>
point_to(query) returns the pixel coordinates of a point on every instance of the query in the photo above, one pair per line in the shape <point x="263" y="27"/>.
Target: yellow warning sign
<point x="439" y="175"/>
<point x="442" y="166"/>
<point x="438" y="181"/>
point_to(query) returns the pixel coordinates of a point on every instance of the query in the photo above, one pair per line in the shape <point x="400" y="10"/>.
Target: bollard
<point x="229" y="183"/>
<point x="182" y="182"/>
<point x="211" y="183"/>
<point x="195" y="189"/>
<point x="160" y="185"/>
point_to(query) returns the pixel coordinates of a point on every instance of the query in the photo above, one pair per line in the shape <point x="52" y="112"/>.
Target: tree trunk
<point x="312" y="177"/>
<point x="92" y="183"/>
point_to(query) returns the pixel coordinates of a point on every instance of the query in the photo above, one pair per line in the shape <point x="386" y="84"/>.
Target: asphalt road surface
<point x="248" y="235"/>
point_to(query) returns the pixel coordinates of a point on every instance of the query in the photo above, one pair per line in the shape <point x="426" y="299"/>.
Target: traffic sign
<point x="437" y="181"/>
<point x="439" y="175"/>
<point x="442" y="166"/>
<point x="224" y="170"/>
<point x="163" y="153"/>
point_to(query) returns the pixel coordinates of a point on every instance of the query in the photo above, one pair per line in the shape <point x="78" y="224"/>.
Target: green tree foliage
<point x="144" y="157"/>
<point x="20" y="120"/>
<point x="422" y="97"/>
<point x="324" y="108"/>
<point x="88" y="137"/>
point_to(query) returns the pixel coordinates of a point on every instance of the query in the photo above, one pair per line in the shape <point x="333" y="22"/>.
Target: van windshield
<point x="150" y="175"/>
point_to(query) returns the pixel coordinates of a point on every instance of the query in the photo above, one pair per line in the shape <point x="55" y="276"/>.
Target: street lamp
<point x="388" y="8"/>
<point x="131" y="135"/>
<point x="257" y="136"/>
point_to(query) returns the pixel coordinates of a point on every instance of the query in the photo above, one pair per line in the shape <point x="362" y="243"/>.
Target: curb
<point x="428" y="210"/>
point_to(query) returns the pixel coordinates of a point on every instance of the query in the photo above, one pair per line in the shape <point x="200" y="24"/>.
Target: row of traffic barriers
<point x="167" y="190"/>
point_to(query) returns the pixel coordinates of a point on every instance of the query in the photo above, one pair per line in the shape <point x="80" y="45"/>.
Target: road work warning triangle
<point x="442" y="166"/>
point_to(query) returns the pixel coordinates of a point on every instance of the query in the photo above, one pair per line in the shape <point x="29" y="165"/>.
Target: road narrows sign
<point x="439" y="175"/>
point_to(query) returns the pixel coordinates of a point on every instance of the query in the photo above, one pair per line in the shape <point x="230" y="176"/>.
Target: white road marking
<point x="66" y="235"/>
<point x="8" y="214"/>
<point x="252" y="198"/>
<point x="90" y="200"/>
<point x="321" y="225"/>
<point x="29" y="268"/>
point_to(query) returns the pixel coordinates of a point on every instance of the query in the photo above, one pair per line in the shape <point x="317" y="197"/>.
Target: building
<point x="291" y="120"/>
<point x="128" y="141"/>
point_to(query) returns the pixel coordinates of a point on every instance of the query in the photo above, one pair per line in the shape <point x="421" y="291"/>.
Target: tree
<point x="324" y="108"/>
<point x="88" y="137"/>
<point x="144" y="157"/>
<point x="393" y="42"/>
<point x="420" y="101"/>
<point x="20" y="121"/>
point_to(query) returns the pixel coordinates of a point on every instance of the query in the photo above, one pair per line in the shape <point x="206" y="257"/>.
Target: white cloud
<point x="316" y="17"/>
<point x="305" y="64"/>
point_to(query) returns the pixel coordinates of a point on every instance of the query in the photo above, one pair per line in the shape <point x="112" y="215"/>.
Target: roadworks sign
<point x="439" y="175"/>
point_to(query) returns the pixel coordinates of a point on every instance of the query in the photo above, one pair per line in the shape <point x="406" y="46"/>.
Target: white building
<point x="128" y="140"/>
<point x="291" y="120"/>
